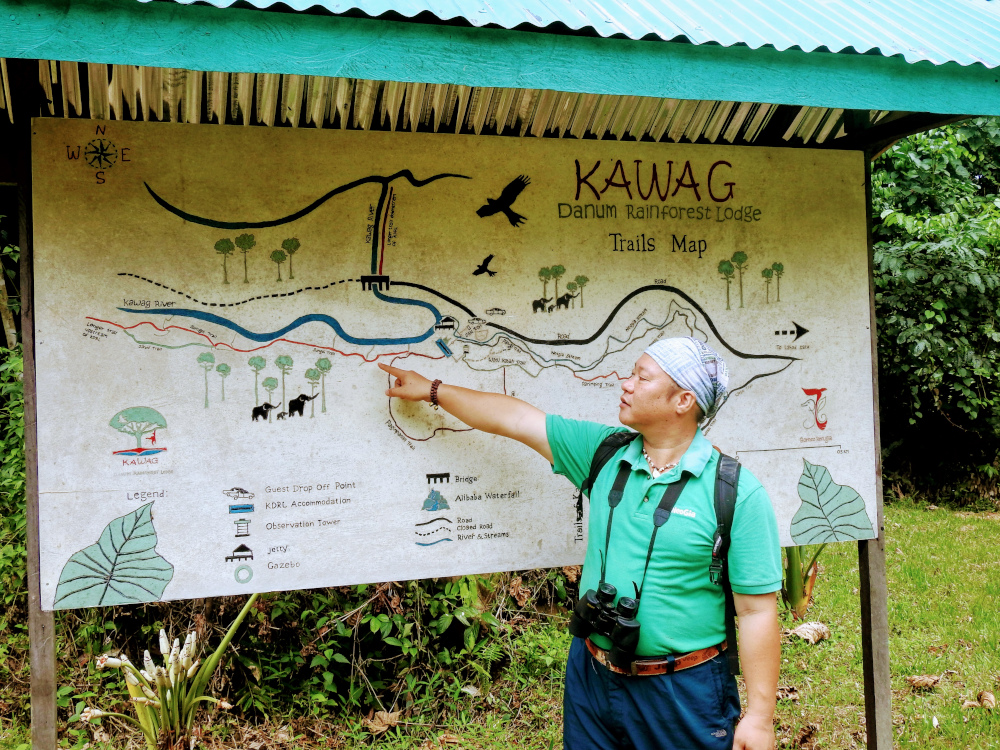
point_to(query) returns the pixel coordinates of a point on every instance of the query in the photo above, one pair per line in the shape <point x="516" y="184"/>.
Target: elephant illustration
<point x="281" y="415"/>
<point x="298" y="404"/>
<point x="538" y="305"/>
<point x="551" y="308"/>
<point x="262" y="410"/>
<point x="563" y="301"/>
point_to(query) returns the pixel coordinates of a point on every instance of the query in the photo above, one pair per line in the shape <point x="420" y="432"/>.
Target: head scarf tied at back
<point x="695" y="367"/>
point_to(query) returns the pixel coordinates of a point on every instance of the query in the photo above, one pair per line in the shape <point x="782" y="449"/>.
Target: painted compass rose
<point x="101" y="153"/>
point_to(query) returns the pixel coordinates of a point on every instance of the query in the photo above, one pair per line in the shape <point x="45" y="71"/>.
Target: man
<point x="674" y="385"/>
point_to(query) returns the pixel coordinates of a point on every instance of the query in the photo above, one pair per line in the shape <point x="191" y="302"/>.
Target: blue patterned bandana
<point x="695" y="367"/>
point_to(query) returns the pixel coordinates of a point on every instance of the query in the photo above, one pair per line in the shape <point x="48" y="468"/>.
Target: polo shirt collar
<point x="694" y="460"/>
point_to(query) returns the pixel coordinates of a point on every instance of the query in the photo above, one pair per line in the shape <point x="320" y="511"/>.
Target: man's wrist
<point x="432" y="394"/>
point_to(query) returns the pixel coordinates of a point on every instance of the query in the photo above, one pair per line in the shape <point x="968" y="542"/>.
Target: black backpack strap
<point x="727" y="479"/>
<point x="608" y="447"/>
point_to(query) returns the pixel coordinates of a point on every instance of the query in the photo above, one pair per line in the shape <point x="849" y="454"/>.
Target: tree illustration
<point x="284" y="363"/>
<point x="313" y="377"/>
<point x="768" y="274"/>
<point x="279" y="257"/>
<point x="557" y="272"/>
<point x="739" y="261"/>
<point x="779" y="271"/>
<point x="571" y="287"/>
<point x="727" y="271"/>
<point x="581" y="282"/>
<point x="269" y="385"/>
<point x="224" y="247"/>
<point x="245" y="242"/>
<point x="290" y="246"/>
<point x="207" y="362"/>
<point x="323" y="365"/>
<point x="258" y="364"/>
<point x="137" y="421"/>
<point x="545" y="275"/>
<point x="223" y="369"/>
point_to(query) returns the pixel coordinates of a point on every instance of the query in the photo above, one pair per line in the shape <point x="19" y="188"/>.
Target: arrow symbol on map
<point x="797" y="330"/>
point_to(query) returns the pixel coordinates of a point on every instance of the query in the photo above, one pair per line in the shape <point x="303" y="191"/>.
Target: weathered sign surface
<point x="211" y="303"/>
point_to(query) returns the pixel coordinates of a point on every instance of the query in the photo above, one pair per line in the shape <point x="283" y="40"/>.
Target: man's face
<point x="649" y="396"/>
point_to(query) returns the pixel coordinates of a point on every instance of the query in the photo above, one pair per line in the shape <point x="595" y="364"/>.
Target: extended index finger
<point x="391" y="370"/>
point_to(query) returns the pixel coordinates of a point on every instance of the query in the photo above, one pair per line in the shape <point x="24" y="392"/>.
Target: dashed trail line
<point x="241" y="302"/>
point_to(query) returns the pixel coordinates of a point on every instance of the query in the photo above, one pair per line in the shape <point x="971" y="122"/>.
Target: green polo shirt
<point x="681" y="609"/>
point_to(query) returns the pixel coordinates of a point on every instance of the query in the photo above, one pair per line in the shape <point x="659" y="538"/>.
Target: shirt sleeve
<point x="754" y="547"/>
<point x="573" y="443"/>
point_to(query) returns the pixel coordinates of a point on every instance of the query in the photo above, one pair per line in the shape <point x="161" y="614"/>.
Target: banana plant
<point x="166" y="697"/>
<point x="797" y="586"/>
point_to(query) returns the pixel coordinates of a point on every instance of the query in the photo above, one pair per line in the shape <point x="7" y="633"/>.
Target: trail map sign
<point x="211" y="303"/>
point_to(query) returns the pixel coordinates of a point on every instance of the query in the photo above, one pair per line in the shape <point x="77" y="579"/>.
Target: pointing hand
<point x="409" y="385"/>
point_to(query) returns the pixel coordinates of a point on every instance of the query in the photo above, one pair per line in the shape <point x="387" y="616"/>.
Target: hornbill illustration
<point x="505" y="201"/>
<point x="484" y="267"/>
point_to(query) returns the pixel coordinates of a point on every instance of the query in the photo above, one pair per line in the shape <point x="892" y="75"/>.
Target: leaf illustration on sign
<point x="122" y="567"/>
<point x="829" y="512"/>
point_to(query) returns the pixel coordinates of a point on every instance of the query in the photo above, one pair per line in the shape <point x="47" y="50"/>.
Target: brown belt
<point x="659" y="664"/>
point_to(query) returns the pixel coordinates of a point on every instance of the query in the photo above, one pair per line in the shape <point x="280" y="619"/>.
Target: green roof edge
<point x="236" y="40"/>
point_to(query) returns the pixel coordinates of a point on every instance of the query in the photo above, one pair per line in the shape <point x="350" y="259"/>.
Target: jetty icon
<point x="240" y="553"/>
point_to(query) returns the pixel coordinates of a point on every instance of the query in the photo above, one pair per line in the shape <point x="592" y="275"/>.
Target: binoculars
<point x="595" y="612"/>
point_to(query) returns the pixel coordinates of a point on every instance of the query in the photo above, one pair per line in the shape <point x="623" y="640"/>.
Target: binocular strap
<point x="614" y="497"/>
<point x="660" y="516"/>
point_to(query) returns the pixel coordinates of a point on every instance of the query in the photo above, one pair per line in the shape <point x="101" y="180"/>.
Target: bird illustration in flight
<point x="484" y="267"/>
<point x="505" y="201"/>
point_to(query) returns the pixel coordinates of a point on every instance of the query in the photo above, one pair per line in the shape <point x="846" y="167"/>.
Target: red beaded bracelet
<point x="434" y="393"/>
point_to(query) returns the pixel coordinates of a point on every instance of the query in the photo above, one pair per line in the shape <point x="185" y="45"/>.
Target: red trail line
<point x="216" y="344"/>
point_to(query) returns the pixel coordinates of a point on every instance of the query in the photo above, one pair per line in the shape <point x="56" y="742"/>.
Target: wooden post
<point x="871" y="560"/>
<point x="41" y="625"/>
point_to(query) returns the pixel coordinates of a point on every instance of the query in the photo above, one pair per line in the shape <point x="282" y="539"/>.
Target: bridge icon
<point x="380" y="281"/>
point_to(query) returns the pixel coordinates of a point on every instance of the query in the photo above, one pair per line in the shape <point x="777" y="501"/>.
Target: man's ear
<point x="686" y="403"/>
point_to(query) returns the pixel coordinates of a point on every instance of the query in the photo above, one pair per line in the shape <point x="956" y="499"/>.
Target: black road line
<point x="796" y="448"/>
<point x="641" y="290"/>
<point x="374" y="179"/>
<point x="459" y="305"/>
<point x="439" y="518"/>
<point x="631" y="295"/>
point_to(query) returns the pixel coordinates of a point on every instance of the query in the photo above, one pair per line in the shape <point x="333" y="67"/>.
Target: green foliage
<point x="12" y="482"/>
<point x="270" y="384"/>
<point x="291" y="246"/>
<point x="936" y="207"/>
<point x="138" y="421"/>
<point x="122" y="567"/>
<point x="245" y="242"/>
<point x="581" y="282"/>
<point x="225" y="248"/>
<point x="223" y="369"/>
<point x="257" y="364"/>
<point x="279" y="257"/>
<point x="166" y="698"/>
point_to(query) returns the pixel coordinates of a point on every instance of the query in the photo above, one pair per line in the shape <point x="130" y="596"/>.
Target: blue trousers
<point x="689" y="710"/>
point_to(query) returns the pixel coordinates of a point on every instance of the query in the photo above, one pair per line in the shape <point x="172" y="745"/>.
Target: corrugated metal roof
<point x="938" y="31"/>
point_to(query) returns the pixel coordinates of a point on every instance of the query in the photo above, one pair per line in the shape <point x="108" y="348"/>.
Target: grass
<point x="943" y="580"/>
<point x="943" y="584"/>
